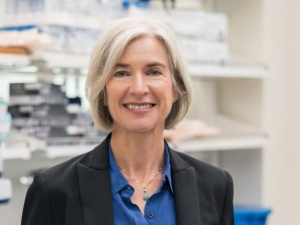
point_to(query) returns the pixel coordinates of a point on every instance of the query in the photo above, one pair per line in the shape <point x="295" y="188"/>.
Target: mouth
<point x="139" y="106"/>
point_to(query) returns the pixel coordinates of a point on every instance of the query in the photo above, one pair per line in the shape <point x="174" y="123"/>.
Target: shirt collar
<point x="167" y="170"/>
<point x="118" y="181"/>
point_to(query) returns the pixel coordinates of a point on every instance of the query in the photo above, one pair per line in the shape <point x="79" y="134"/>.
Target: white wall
<point x="282" y="110"/>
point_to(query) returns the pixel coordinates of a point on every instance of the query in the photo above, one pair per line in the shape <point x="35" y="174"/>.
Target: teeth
<point x="139" y="107"/>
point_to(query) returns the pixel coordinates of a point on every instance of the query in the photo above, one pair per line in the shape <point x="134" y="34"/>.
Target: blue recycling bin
<point x="250" y="215"/>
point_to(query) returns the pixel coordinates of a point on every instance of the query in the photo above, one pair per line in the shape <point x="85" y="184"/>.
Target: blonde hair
<point x="109" y="49"/>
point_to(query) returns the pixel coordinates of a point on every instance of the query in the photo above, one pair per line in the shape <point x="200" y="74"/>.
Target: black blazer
<point x="77" y="192"/>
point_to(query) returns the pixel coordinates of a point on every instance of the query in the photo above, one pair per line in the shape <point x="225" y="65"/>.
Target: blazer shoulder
<point x="204" y="171"/>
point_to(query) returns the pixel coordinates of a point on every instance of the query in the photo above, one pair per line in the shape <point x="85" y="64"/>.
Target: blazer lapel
<point x="185" y="191"/>
<point x="94" y="184"/>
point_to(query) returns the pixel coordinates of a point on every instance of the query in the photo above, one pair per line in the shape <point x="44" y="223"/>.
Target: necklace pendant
<point x="146" y="197"/>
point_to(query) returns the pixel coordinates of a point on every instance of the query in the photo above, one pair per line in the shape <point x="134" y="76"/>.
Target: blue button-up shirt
<point x="159" y="208"/>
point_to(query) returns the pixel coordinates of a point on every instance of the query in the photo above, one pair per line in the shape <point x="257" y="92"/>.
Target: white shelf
<point x="223" y="144"/>
<point x="230" y="126"/>
<point x="50" y="152"/>
<point x="219" y="71"/>
<point x="17" y="153"/>
<point x="234" y="136"/>
<point x="20" y="146"/>
<point x="63" y="60"/>
<point x="67" y="151"/>
<point x="14" y="59"/>
<point x="52" y="59"/>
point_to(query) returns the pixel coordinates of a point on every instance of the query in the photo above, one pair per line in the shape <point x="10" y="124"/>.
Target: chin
<point x="142" y="128"/>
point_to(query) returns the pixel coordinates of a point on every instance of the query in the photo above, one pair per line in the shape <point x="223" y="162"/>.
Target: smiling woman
<point x="137" y="86"/>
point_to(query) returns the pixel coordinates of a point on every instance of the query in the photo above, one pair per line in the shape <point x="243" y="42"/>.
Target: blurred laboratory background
<point x="243" y="59"/>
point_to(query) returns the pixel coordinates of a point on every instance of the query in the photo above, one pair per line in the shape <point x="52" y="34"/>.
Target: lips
<point x="138" y="106"/>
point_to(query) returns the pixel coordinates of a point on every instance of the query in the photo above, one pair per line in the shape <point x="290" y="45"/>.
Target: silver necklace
<point x="146" y="196"/>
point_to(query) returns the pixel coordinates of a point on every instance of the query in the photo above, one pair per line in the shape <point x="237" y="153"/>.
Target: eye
<point x="154" y="72"/>
<point x="121" y="74"/>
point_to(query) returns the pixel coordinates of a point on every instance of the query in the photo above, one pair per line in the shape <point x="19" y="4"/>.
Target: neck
<point x="139" y="154"/>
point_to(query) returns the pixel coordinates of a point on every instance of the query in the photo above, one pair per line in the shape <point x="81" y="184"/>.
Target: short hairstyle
<point x="110" y="47"/>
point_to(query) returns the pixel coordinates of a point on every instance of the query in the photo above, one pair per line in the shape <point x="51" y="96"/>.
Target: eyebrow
<point x="121" y="65"/>
<point x="152" y="64"/>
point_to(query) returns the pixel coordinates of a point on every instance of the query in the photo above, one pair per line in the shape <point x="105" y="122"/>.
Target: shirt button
<point x="150" y="215"/>
<point x="128" y="187"/>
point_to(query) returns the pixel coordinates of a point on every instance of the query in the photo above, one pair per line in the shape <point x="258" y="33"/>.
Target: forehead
<point x="145" y="47"/>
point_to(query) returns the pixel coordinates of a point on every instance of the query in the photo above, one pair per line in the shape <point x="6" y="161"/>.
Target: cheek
<point x="111" y="100"/>
<point x="112" y="92"/>
<point x="168" y="95"/>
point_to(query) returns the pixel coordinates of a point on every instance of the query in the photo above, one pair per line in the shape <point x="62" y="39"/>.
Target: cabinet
<point x="226" y="96"/>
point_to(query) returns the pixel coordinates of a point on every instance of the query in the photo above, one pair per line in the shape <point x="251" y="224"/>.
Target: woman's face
<point x="140" y="90"/>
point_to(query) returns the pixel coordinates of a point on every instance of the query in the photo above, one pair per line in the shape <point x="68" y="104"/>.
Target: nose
<point x="138" y="85"/>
